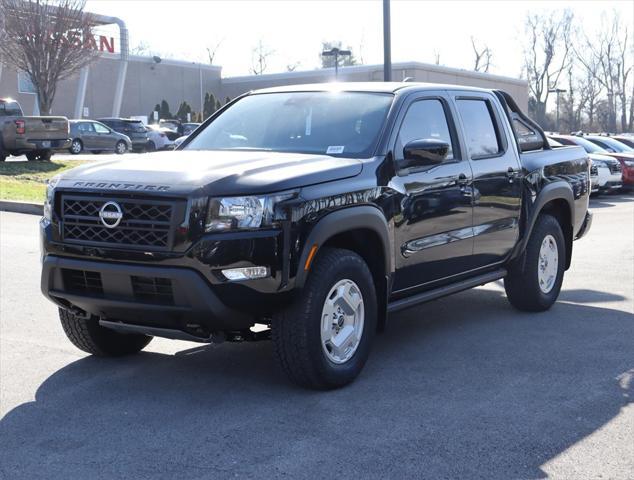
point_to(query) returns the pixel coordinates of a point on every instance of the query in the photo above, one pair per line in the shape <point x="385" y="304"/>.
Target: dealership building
<point x="119" y="84"/>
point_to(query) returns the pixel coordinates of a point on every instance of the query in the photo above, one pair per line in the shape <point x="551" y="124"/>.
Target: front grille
<point x="145" y="223"/>
<point x="615" y="167"/>
<point x="153" y="289"/>
<point x="82" y="281"/>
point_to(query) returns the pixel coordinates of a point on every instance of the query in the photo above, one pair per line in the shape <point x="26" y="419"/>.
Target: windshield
<point x="333" y="123"/>
<point x="615" y="145"/>
<point x="134" y="126"/>
<point x="588" y="146"/>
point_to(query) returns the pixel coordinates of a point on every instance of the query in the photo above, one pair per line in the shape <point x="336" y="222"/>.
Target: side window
<point x="603" y="145"/>
<point x="425" y="119"/>
<point x="100" y="128"/>
<point x="85" y="127"/>
<point x="480" y="131"/>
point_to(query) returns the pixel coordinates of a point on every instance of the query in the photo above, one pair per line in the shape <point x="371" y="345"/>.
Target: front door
<point x="433" y="232"/>
<point x="105" y="139"/>
<point x="496" y="177"/>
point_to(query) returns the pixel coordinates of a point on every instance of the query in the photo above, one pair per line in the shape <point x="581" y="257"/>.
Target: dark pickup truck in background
<point x="35" y="137"/>
<point x="312" y="212"/>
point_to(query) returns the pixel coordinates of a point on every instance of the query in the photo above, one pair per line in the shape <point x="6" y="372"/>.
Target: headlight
<point x="233" y="213"/>
<point x="50" y="195"/>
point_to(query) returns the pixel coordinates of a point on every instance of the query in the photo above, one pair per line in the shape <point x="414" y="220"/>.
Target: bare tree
<point x="483" y="57"/>
<point x="213" y="50"/>
<point x="608" y="58"/>
<point x="259" y="58"/>
<point x="546" y="55"/>
<point x="436" y="57"/>
<point x="49" y="40"/>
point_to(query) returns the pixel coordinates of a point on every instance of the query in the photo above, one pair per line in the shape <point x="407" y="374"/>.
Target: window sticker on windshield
<point x="334" y="149"/>
<point x="309" y="122"/>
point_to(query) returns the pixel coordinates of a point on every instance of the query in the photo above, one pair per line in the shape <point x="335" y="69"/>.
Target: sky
<point x="294" y="29"/>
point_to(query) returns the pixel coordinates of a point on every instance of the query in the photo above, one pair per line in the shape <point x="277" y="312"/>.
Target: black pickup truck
<point x="307" y="214"/>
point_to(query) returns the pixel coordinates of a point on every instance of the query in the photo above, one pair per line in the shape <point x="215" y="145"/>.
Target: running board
<point x="440" y="292"/>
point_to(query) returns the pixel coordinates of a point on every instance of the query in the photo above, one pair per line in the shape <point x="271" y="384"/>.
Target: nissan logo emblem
<point x="110" y="214"/>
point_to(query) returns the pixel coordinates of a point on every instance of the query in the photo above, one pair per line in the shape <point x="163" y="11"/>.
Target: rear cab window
<point x="10" y="109"/>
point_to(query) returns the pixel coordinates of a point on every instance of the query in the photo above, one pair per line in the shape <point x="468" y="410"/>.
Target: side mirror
<point x="424" y="153"/>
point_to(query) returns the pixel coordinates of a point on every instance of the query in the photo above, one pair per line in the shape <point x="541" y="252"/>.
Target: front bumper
<point x="173" y="298"/>
<point x="199" y="297"/>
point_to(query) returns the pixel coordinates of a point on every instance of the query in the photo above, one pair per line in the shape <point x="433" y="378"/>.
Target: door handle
<point x="462" y="180"/>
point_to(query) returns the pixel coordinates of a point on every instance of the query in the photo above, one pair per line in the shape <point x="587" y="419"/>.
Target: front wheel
<point x="536" y="286"/>
<point x="120" y="148"/>
<point x="87" y="335"/>
<point x="323" y="339"/>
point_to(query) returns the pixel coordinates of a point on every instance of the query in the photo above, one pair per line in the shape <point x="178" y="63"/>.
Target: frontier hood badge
<point x="110" y="214"/>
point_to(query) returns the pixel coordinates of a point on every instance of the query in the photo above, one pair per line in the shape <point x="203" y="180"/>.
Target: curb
<point x="21" y="207"/>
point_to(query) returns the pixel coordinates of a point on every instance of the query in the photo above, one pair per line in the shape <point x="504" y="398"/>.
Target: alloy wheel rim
<point x="120" y="148"/>
<point x="548" y="263"/>
<point x="342" y="320"/>
<point x="76" y="147"/>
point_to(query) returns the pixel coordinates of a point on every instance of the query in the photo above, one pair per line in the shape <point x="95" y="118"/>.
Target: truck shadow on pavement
<point x="463" y="387"/>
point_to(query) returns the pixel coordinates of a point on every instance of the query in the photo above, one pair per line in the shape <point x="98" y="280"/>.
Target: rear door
<point x="87" y="135"/>
<point x="433" y="233"/>
<point x="494" y="159"/>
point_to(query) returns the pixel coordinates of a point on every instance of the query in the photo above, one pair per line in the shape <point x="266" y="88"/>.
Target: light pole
<point x="335" y="52"/>
<point x="557" y="91"/>
<point x="387" y="44"/>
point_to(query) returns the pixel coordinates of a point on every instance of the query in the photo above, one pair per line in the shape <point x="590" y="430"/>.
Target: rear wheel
<point x="323" y="339"/>
<point x="89" y="336"/>
<point x="120" y="148"/>
<point x="39" y="155"/>
<point x="535" y="288"/>
<point x="76" y="146"/>
<point x="151" y="146"/>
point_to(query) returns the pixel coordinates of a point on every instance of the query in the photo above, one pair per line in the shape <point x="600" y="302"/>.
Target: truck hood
<point x="212" y="172"/>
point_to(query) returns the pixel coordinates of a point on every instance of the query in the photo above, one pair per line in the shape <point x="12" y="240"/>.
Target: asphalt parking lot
<point x="464" y="387"/>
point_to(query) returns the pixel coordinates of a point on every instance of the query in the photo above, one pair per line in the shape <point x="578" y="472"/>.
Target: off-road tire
<point x="39" y="156"/>
<point x="522" y="284"/>
<point x="89" y="336"/>
<point x="296" y="330"/>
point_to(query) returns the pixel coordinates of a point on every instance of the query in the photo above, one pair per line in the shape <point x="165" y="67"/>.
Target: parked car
<point x="134" y="129"/>
<point x="173" y="128"/>
<point x="95" y="137"/>
<point x="35" y="137"/>
<point x="621" y="152"/>
<point x="315" y="215"/>
<point x="179" y="141"/>
<point x="606" y="171"/>
<point x="626" y="139"/>
<point x="188" y="128"/>
<point x="157" y="139"/>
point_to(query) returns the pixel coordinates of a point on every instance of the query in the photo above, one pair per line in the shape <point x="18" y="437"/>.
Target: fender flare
<point x="553" y="191"/>
<point x="341" y="221"/>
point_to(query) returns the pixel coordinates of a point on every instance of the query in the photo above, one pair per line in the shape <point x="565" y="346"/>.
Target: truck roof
<point x="372" y="87"/>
